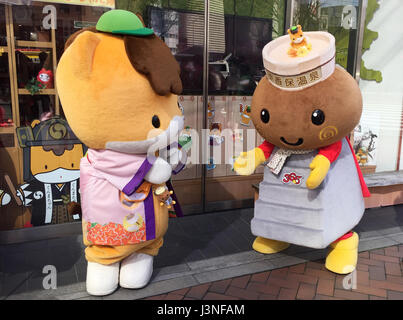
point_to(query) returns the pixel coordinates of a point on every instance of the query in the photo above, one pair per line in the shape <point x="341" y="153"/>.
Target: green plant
<point x="34" y="86"/>
<point x="307" y="15"/>
<point x="369" y="37"/>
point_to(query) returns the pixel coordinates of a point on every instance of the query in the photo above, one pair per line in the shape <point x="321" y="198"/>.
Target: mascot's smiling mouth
<point x="298" y="143"/>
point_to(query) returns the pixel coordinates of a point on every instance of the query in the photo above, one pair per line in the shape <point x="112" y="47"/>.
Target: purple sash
<point x="149" y="213"/>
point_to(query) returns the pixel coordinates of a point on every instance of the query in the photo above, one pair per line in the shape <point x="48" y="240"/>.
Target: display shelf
<point x="42" y="92"/>
<point x="370" y="169"/>
<point x="10" y="129"/>
<point x="34" y="44"/>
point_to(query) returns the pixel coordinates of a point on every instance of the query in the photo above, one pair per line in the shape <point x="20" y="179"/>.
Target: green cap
<point x="122" y="22"/>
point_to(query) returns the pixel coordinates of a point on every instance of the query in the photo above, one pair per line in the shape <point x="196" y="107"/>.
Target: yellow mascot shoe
<point x="268" y="246"/>
<point x="343" y="255"/>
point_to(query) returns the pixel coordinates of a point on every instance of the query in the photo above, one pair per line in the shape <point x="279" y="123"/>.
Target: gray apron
<point x="288" y="211"/>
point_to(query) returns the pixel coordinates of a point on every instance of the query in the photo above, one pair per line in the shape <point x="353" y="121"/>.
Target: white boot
<point x="102" y="279"/>
<point x="136" y="271"/>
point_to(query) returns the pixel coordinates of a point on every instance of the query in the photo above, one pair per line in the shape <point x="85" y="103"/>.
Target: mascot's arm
<point x="159" y="173"/>
<point x="247" y="162"/>
<point x="321" y="163"/>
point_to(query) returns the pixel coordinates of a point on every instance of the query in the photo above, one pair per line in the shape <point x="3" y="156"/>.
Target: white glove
<point x="160" y="172"/>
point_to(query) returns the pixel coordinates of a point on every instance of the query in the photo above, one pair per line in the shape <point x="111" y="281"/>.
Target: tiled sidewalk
<point x="198" y="251"/>
<point x="378" y="277"/>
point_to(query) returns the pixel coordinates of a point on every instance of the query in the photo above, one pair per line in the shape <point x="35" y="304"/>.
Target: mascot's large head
<point x="118" y="84"/>
<point x="305" y="102"/>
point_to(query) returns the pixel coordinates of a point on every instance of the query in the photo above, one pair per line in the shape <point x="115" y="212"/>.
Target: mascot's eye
<point x="318" y="117"/>
<point x="264" y="115"/>
<point x="46" y="167"/>
<point x="156" y="122"/>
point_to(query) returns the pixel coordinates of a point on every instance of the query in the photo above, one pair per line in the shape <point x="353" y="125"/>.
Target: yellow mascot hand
<point x="319" y="167"/>
<point x="247" y="162"/>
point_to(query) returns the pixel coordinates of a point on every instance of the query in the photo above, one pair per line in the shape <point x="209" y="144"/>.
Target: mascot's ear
<point x="83" y="49"/>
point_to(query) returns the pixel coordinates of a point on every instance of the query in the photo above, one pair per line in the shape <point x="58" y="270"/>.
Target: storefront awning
<point x="93" y="3"/>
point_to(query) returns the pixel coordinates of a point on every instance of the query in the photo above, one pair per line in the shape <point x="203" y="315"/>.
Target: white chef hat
<point x="296" y="73"/>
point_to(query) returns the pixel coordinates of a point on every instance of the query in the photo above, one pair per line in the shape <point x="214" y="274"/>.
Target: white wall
<point x="383" y="101"/>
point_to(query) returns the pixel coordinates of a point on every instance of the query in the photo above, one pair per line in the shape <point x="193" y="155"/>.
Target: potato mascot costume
<point x="118" y="84"/>
<point x="312" y="191"/>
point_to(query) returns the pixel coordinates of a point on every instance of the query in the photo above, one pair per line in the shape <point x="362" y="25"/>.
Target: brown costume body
<point x="112" y="86"/>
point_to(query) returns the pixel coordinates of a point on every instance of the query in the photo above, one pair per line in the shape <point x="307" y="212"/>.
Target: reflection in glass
<point x="27" y="22"/>
<point x="336" y="17"/>
<point x="41" y="107"/>
<point x="235" y="45"/>
<point x="31" y="63"/>
<point x="3" y="36"/>
<point x="5" y="94"/>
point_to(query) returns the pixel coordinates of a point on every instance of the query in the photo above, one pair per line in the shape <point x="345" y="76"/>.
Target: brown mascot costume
<point x="118" y="84"/>
<point x="312" y="191"/>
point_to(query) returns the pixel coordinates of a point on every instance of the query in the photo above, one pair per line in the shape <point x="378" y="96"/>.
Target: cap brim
<point x="137" y="32"/>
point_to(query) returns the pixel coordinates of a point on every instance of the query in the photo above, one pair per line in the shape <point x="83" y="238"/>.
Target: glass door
<point x="217" y="122"/>
<point x="29" y="106"/>
<point x="238" y="31"/>
<point x="180" y="24"/>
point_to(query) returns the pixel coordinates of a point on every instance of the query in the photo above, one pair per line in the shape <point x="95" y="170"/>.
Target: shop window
<point x="236" y="43"/>
<point x="6" y="115"/>
<point x="30" y="61"/>
<point x="238" y="31"/>
<point x="35" y="138"/>
<point x="27" y="21"/>
<point x="379" y="136"/>
<point x="3" y="37"/>
<point x="33" y="107"/>
<point x="340" y="18"/>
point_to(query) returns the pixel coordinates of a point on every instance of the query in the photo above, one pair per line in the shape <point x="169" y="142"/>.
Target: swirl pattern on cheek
<point x="328" y="133"/>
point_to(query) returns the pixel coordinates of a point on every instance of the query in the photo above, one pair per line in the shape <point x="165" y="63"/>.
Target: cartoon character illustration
<point x="211" y="165"/>
<point x="245" y="114"/>
<point x="300" y="45"/>
<point x="164" y="196"/>
<point x="231" y="162"/>
<point x="5" y="198"/>
<point x="52" y="155"/>
<point x="215" y="134"/>
<point x="45" y="77"/>
<point x="120" y="76"/>
<point x="185" y="138"/>
<point x="364" y="145"/>
<point x="312" y="191"/>
<point x="133" y="222"/>
<point x="210" y="111"/>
